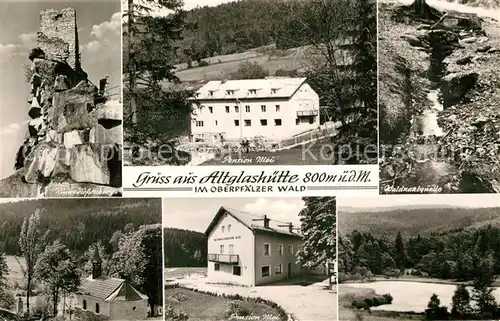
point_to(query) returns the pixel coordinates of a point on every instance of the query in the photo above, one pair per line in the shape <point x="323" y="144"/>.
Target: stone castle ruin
<point x="74" y="138"/>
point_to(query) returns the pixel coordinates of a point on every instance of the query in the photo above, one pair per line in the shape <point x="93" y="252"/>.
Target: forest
<point x="184" y="248"/>
<point x="55" y="242"/>
<point x="235" y="27"/>
<point x="58" y="217"/>
<point x="460" y="254"/>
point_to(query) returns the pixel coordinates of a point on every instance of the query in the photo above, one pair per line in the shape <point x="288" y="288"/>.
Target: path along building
<point x="248" y="249"/>
<point x="274" y="108"/>
<point x="111" y="297"/>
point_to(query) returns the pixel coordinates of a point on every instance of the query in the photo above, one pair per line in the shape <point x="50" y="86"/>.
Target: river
<point x="412" y="296"/>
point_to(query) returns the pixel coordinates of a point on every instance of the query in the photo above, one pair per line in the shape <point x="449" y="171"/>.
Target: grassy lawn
<point x="221" y="66"/>
<point x="294" y="156"/>
<point x="201" y="307"/>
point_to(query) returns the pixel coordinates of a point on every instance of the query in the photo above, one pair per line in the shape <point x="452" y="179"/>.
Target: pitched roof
<point x="110" y="289"/>
<point x="271" y="87"/>
<point x="252" y="221"/>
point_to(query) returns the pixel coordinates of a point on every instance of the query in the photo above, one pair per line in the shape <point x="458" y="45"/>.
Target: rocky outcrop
<point x="74" y="132"/>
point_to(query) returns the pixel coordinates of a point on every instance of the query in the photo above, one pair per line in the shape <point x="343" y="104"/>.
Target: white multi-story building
<point x="248" y="249"/>
<point x="274" y="108"/>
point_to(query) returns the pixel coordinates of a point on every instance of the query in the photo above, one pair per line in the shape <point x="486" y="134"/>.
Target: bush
<point x="203" y="63"/>
<point x="234" y="308"/>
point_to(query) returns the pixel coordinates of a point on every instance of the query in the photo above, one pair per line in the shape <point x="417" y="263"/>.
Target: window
<point x="227" y="109"/>
<point x="311" y="120"/>
<point x="199" y="123"/>
<point x="277" y="122"/>
<point x="237" y="270"/>
<point x="263" y="108"/>
<point x="252" y="91"/>
<point x="236" y="109"/>
<point x="210" y="93"/>
<point x="277" y="269"/>
<point x="222" y="249"/>
<point x="248" y="122"/>
<point x="97" y="309"/>
<point x="211" y="109"/>
<point x="247" y="109"/>
<point x="290" y="249"/>
<point x="265" y="271"/>
<point x="216" y="267"/>
<point x="231" y="248"/>
<point x="267" y="249"/>
<point x="222" y="228"/>
<point x="85" y="304"/>
<point x="229" y="228"/>
<point x="216" y="123"/>
<point x="263" y="122"/>
<point x="236" y="122"/>
<point x="297" y="121"/>
<point x="278" y="108"/>
<point x="280" y="249"/>
<point x="274" y="90"/>
<point x="229" y="92"/>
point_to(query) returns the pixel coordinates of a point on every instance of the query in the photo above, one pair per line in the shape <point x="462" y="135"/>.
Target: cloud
<point x="279" y="210"/>
<point x="24" y="42"/>
<point x="11" y="129"/>
<point x="105" y="34"/>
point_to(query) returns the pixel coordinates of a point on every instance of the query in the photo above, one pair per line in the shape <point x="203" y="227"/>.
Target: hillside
<point x="410" y="222"/>
<point x="184" y="248"/>
<point x="76" y="222"/>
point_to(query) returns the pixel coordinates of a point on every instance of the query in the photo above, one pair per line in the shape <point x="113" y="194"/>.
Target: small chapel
<point x="113" y="298"/>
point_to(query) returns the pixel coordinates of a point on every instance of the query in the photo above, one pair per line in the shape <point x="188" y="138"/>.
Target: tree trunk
<point x="133" y="106"/>
<point x="55" y="295"/>
<point x="28" y="291"/>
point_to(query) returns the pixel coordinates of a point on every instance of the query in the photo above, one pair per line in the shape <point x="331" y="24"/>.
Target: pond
<point x="413" y="296"/>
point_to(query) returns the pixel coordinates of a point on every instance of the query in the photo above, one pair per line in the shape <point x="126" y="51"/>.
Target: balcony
<point x="307" y="113"/>
<point x="224" y="258"/>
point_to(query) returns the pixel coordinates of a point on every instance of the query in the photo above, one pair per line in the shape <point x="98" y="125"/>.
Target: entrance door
<point x="289" y="270"/>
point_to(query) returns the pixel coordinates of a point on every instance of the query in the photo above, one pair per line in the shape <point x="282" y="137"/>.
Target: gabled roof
<point x="252" y="221"/>
<point x="110" y="289"/>
<point x="271" y="87"/>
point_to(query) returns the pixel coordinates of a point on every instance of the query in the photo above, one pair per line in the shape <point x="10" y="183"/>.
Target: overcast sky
<point x="196" y="213"/>
<point x="99" y="28"/>
<point x="460" y="200"/>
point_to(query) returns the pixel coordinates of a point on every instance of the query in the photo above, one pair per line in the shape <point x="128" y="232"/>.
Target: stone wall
<point x="74" y="137"/>
<point x="58" y="35"/>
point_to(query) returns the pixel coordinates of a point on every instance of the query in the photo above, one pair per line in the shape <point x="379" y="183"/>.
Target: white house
<point x="248" y="249"/>
<point x="110" y="297"/>
<point x="275" y="108"/>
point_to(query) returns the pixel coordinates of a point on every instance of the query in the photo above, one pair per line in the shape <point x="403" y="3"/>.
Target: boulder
<point x="455" y="86"/>
<point x="74" y="137"/>
<point x="61" y="83"/>
<point x="36" y="53"/>
<point x="89" y="164"/>
<point x="464" y="60"/>
<point x="36" y="81"/>
<point x="42" y="165"/>
<point x="111" y="110"/>
<point x="35" y="109"/>
<point x="484" y="48"/>
<point x="35" y="126"/>
<point x="493" y="50"/>
<point x="70" y="110"/>
<point x="482" y="39"/>
<point x="468" y="40"/>
<point x="63" y="162"/>
<point x="104" y="135"/>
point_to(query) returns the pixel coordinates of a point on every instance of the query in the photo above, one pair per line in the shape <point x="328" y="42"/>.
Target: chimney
<point x="290" y="227"/>
<point x="266" y="222"/>
<point x="96" y="264"/>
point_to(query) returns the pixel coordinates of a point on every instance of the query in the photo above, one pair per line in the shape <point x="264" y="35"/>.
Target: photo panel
<point x="260" y="258"/>
<point x="81" y="259"/>
<point x="419" y="257"/>
<point x="439" y="87"/>
<point x="61" y="124"/>
<point x="250" y="83"/>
